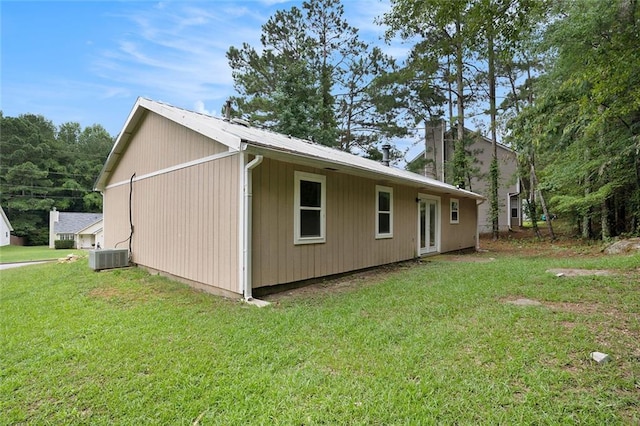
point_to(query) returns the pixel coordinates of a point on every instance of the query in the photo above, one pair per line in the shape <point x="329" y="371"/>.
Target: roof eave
<point x="312" y="161"/>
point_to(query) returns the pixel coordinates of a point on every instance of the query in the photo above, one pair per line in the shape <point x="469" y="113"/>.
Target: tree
<point x="43" y="167"/>
<point x="443" y="34"/>
<point x="586" y="116"/>
<point x="311" y="78"/>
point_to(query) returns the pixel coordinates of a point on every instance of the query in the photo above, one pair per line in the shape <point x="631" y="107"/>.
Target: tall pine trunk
<point x="494" y="169"/>
<point x="459" y="155"/>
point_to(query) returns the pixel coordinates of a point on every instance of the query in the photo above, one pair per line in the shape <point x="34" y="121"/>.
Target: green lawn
<point x="12" y="254"/>
<point x="429" y="343"/>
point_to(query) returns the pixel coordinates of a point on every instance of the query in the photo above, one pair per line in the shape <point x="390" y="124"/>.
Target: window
<point x="384" y="212"/>
<point x="455" y="211"/>
<point x="66" y="236"/>
<point x="310" y="208"/>
<point x="514" y="212"/>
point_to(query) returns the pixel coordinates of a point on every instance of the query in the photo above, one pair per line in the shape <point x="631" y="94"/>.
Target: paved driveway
<point x="16" y="265"/>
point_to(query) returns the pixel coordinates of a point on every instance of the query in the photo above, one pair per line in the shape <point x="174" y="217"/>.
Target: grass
<point x="13" y="254"/>
<point x="426" y="343"/>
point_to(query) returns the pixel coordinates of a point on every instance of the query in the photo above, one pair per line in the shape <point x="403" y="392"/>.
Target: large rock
<point x="629" y="245"/>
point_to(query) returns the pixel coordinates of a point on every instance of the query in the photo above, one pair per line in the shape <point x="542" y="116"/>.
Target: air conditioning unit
<point x="108" y="259"/>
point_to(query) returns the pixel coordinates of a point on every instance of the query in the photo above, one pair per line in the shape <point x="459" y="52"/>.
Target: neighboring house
<point x="229" y="208"/>
<point x="440" y="144"/>
<point x="85" y="229"/>
<point x="5" y="229"/>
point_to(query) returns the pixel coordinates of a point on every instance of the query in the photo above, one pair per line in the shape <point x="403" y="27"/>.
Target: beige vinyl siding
<point x="457" y="236"/>
<point x="160" y="143"/>
<point x="186" y="221"/>
<point x="350" y="235"/>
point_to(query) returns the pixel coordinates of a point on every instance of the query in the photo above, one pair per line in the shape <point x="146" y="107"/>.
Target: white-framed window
<point x="384" y="212"/>
<point x="309" y="202"/>
<point x="454" y="211"/>
<point x="66" y="236"/>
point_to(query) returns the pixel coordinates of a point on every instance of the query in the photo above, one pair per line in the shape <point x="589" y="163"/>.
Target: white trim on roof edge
<point x="251" y="139"/>
<point x="207" y="159"/>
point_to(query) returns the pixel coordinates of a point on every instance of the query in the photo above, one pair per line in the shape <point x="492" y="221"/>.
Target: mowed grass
<point x="425" y="343"/>
<point x="13" y="254"/>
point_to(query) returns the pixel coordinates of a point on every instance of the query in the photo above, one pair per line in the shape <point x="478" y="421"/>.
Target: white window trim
<point x="380" y="189"/>
<point x="451" y="219"/>
<point x="311" y="177"/>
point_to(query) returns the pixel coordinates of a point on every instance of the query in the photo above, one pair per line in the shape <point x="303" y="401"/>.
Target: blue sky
<point x="88" y="61"/>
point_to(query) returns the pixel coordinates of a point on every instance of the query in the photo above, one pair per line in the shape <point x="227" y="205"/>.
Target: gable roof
<point x="5" y="219"/>
<point x="240" y="137"/>
<point x="73" y="223"/>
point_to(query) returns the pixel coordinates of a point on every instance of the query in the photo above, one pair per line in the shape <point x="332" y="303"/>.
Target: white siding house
<point x="85" y="229"/>
<point x="5" y="229"/>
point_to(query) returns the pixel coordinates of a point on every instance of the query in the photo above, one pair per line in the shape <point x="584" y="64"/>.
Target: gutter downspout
<point x="248" y="188"/>
<point x="478" y="202"/>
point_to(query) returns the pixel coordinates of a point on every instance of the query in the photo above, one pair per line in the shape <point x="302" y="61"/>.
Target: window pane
<point x="310" y="193"/>
<point x="454" y="216"/>
<point x="309" y="223"/>
<point x="384" y="223"/>
<point x="514" y="212"/>
<point x="432" y="224"/>
<point x="384" y="201"/>
<point x="423" y="224"/>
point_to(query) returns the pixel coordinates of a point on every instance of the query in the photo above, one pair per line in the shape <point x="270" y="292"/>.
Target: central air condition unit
<point x="108" y="259"/>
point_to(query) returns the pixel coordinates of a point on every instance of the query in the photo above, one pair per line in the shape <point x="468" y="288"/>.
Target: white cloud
<point x="199" y="107"/>
<point x="177" y="51"/>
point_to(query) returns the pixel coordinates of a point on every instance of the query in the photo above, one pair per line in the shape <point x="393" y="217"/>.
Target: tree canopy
<point x="312" y="77"/>
<point x="583" y="123"/>
<point x="44" y="166"/>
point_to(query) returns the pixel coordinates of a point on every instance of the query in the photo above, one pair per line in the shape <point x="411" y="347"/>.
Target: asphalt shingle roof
<point x="71" y="223"/>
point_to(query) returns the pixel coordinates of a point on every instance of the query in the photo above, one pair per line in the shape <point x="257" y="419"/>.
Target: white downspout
<point x="478" y="202"/>
<point x="509" y="195"/>
<point x="248" y="188"/>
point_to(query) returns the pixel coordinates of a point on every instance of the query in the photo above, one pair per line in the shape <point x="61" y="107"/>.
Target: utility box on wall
<point x="108" y="259"/>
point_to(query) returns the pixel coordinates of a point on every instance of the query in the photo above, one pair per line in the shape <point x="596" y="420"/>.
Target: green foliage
<point x="64" y="244"/>
<point x="584" y="126"/>
<point x="494" y="209"/>
<point x="44" y="167"/>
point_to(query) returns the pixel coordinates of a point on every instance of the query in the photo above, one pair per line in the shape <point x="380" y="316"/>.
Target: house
<point x="229" y="208"/>
<point x="432" y="162"/>
<point x="5" y="229"/>
<point x="85" y="229"/>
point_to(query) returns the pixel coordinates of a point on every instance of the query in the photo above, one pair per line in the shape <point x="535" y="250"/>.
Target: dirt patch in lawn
<point x="523" y="242"/>
<point x="337" y="284"/>
<point x="581" y="272"/>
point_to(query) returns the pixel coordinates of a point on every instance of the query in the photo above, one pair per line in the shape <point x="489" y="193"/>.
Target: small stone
<point x="560" y="274"/>
<point x="600" y="357"/>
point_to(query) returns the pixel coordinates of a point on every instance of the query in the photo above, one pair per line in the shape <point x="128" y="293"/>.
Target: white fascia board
<point x="392" y="175"/>
<point x="193" y="121"/>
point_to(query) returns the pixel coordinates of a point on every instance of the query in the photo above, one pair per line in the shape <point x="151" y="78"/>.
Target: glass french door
<point x="428" y="226"/>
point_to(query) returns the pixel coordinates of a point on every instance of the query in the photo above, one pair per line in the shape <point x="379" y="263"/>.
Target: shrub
<point x="64" y="244"/>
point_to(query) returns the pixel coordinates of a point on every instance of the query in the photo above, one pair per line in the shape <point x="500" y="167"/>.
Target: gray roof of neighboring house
<point x="72" y="223"/>
<point x="239" y="137"/>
